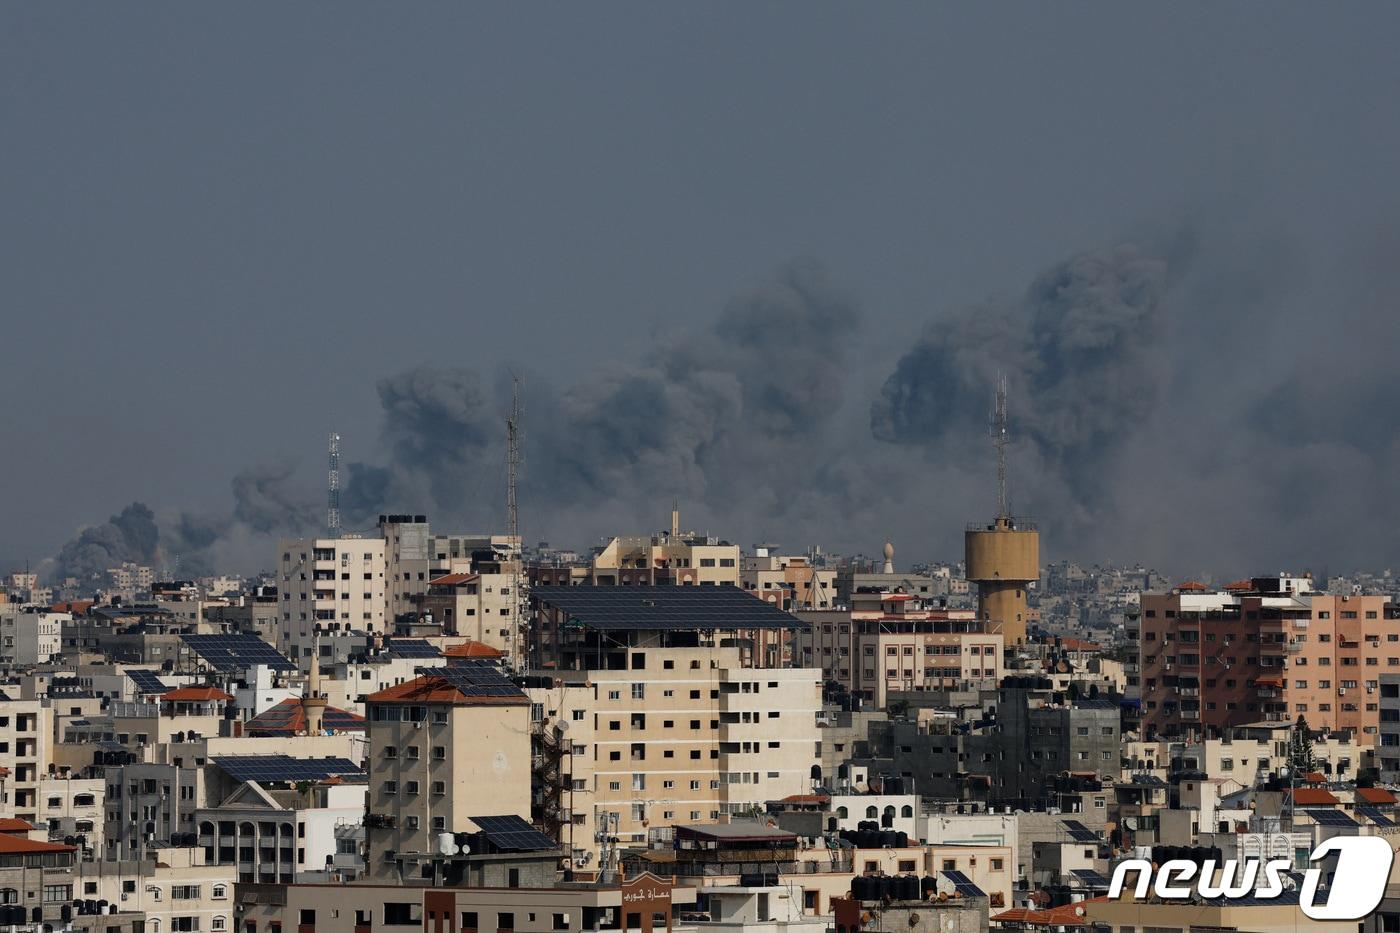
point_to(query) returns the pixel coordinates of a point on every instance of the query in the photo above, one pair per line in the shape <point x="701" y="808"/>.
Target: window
<point x="218" y="923"/>
<point x="56" y="893"/>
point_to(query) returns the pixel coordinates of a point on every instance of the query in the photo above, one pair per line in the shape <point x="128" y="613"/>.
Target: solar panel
<point x="233" y="654"/>
<point x="412" y="648"/>
<point x="147" y="681"/>
<point x="513" y="833"/>
<point x="1375" y="816"/>
<point x="1089" y="877"/>
<point x="279" y="768"/>
<point x="478" y="679"/>
<point x="613" y="608"/>
<point x="963" y="884"/>
<point x="1329" y="817"/>
<point x="1079" y="832"/>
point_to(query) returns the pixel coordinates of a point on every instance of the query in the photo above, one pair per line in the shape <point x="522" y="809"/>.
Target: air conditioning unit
<point x="1341" y="691"/>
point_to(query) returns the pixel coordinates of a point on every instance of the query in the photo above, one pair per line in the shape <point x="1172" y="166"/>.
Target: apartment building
<point x="72" y="808"/>
<point x="452" y="744"/>
<point x="480" y="605"/>
<point x="26" y="737"/>
<point x="789" y="582"/>
<point x="31" y="635"/>
<point x="687" y="719"/>
<point x="333" y="586"/>
<point x="677" y="557"/>
<point x="1271" y="648"/>
<point x="408" y="554"/>
<point x="176" y="892"/>
<point x="904" y="645"/>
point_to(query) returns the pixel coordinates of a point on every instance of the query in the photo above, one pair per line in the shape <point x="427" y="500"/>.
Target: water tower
<point x="1003" y="558"/>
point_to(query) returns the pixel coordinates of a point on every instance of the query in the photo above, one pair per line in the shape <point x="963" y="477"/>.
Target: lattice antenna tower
<point x="519" y="581"/>
<point x="999" y="440"/>
<point x="333" y="488"/>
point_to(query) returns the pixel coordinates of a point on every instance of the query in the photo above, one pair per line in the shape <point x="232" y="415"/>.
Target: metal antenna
<point x="519" y="580"/>
<point x="999" y="439"/>
<point x="333" y="489"/>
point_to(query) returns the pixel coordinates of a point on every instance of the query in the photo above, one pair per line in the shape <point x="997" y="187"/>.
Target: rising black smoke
<point x="1174" y="399"/>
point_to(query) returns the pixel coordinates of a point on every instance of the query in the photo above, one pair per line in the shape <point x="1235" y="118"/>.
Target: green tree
<point x="1300" y="748"/>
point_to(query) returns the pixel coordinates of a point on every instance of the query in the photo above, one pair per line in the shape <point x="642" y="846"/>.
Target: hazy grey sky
<point x="223" y="226"/>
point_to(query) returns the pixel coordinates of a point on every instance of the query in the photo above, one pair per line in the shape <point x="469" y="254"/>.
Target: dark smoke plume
<point x="130" y="535"/>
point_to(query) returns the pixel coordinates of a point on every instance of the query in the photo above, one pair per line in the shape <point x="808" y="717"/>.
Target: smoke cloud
<point x="1173" y="399"/>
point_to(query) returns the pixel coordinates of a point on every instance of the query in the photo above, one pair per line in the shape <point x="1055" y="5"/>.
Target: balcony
<point x="1191" y="714"/>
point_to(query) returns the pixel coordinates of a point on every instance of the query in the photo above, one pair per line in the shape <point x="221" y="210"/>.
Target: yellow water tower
<point x="1003" y="558"/>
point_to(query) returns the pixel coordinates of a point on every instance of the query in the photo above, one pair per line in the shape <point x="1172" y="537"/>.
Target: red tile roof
<point x="8" y="825"/>
<point x="1239" y="585"/>
<point x="454" y="579"/>
<point x="1192" y="586"/>
<point x="1374" y="795"/>
<point x="1314" y="797"/>
<point x="434" y="688"/>
<point x="14" y="845"/>
<point x="289" y="718"/>
<point x="75" y="606"/>
<point x="472" y="649"/>
<point x="194" y="694"/>
<point x="1066" y="915"/>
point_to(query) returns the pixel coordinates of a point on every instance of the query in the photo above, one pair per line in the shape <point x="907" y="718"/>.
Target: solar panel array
<point x="513" y="834"/>
<point x="478" y="679"/>
<point x="1375" y="816"/>
<point x="1089" y="877"/>
<point x="233" y="654"/>
<point x="275" y="768"/>
<point x="1079" y="832"/>
<point x="412" y="648"/>
<point x="643" y="608"/>
<point x="1330" y="817"/>
<point x="963" y="884"/>
<point x="147" y="681"/>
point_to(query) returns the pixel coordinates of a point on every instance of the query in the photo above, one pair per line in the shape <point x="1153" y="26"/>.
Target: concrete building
<point x="789" y="582"/>
<point x="408" y="558"/>
<point x="677" y="557"/>
<point x="443" y="748"/>
<point x="30" y="635"/>
<point x="26" y="738"/>
<point x="904" y="645"/>
<point x="334" y="586"/>
<point x="1271" y="648"/>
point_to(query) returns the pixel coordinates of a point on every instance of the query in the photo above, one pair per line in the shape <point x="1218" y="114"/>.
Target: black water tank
<point x="888" y="837"/>
<point x="901" y="839"/>
<point x="928" y="885"/>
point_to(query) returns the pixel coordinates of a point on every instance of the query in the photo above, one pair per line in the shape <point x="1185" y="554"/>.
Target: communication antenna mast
<point x="333" y="489"/>
<point x="519" y="581"/>
<point x="999" y="439"/>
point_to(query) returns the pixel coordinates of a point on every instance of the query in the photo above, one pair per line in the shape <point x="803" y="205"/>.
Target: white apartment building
<point x="330" y="586"/>
<point x="26" y="739"/>
<point x="30" y="635"/>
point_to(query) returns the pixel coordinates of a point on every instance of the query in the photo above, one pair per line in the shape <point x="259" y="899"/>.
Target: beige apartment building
<point x="443" y="748"/>
<point x="788" y="582"/>
<point x="678" y="557"/>
<point x="26" y="739"/>
<point x="685" y="735"/>
<point x="329" y="585"/>
<point x="902" y="646"/>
